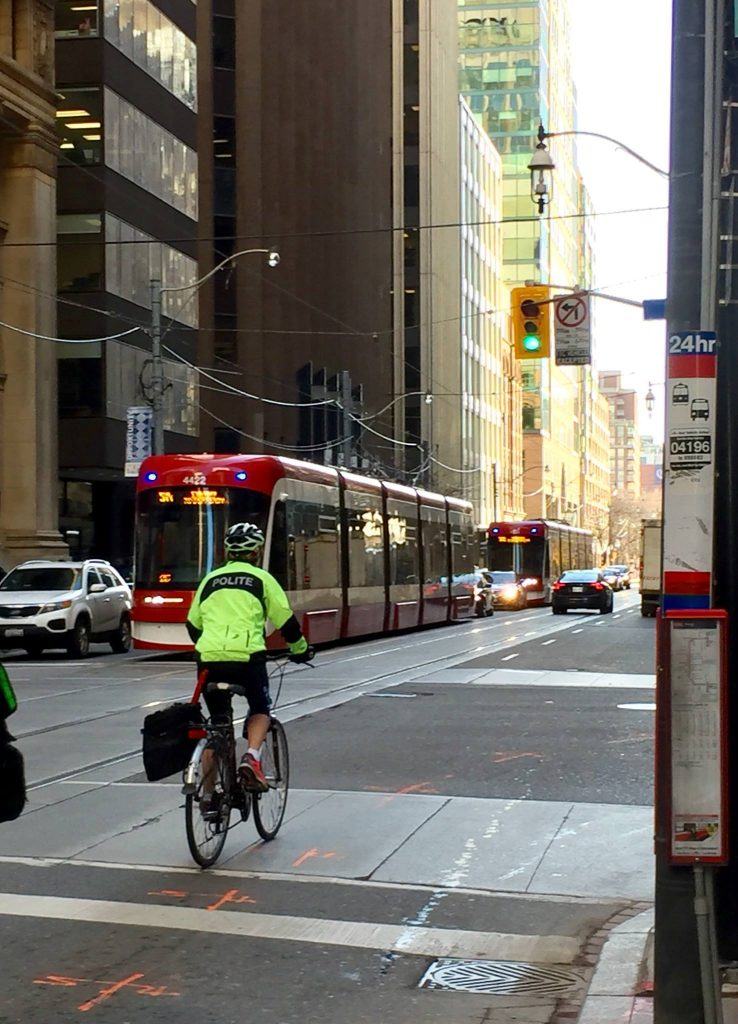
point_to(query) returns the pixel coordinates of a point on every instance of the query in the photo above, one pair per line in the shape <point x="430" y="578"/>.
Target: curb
<point x="611" y="998"/>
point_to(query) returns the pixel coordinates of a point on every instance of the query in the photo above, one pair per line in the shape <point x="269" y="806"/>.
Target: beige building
<point x="625" y="439"/>
<point x="595" y="507"/>
<point x="28" y="407"/>
<point x="491" y="397"/>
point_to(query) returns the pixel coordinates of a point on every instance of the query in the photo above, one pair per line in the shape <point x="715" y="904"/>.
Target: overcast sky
<point x="622" y="67"/>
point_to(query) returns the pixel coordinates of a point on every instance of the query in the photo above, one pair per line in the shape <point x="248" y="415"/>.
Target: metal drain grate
<point x="502" y="978"/>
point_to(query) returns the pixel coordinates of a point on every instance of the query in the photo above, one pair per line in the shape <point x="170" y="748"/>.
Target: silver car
<point x="46" y="604"/>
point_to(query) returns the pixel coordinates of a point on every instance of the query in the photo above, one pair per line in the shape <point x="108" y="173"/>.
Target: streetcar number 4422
<point x="691" y="344"/>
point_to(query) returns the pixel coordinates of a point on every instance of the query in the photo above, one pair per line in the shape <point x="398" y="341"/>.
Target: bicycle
<point x="206" y="833"/>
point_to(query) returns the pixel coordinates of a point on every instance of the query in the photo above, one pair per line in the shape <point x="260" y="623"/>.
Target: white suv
<point x="64" y="604"/>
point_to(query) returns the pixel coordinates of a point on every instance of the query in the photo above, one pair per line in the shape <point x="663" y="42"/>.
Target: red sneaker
<point x="252" y="777"/>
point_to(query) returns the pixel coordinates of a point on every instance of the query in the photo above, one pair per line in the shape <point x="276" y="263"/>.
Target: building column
<point x="28" y="405"/>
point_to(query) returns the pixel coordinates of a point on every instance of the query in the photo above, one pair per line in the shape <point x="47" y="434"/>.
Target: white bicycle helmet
<point x="243" y="539"/>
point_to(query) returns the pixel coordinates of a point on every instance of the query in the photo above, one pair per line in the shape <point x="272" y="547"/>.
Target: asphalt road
<point x="477" y="791"/>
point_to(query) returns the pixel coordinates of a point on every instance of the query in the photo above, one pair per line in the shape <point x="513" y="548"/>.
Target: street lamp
<point x="650" y="396"/>
<point x="541" y="169"/>
<point x="542" y="166"/>
<point x="157" y="367"/>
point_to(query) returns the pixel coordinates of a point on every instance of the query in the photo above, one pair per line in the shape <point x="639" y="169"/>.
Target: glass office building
<point x="127" y="202"/>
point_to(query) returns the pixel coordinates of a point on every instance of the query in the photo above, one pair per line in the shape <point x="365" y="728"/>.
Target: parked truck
<point x="650" y="566"/>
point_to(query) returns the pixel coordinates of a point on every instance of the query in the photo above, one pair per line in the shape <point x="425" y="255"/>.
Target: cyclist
<point x="227" y="623"/>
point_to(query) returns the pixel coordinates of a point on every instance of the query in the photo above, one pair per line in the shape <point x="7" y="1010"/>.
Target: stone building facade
<point x="28" y="405"/>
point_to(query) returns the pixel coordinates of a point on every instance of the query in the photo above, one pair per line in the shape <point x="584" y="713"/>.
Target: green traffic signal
<point x="531" y="343"/>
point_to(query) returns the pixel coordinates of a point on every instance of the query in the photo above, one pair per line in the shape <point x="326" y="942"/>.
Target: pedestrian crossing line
<point x="401" y="938"/>
<point x="307" y="879"/>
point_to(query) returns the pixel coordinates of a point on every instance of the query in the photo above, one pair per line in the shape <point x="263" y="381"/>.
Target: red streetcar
<point x="356" y="556"/>
<point x="538" y="551"/>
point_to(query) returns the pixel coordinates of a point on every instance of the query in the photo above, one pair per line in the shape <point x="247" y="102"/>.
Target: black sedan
<point x="581" y="588"/>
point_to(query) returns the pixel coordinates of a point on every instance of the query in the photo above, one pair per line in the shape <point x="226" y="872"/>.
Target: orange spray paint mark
<point x="106" y="993"/>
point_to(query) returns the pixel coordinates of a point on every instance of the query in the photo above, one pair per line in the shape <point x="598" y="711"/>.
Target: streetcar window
<point x="305" y="552"/>
<point x="180" y="532"/>
<point x="403" y="543"/>
<point x="465" y="552"/>
<point x="365" y="532"/>
<point x="554" y="551"/>
<point x="435" y="553"/>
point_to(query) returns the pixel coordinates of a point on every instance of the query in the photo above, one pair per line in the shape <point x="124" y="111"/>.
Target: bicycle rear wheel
<point x="269" y="807"/>
<point x="206" y="837"/>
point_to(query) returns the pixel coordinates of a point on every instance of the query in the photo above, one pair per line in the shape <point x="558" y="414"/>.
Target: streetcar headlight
<point x="509" y="593"/>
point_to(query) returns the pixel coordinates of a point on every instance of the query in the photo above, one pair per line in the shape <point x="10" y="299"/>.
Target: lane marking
<point x="637" y="707"/>
<point x="577" y="630"/>
<point x="417" y="941"/>
<point x="503" y="756"/>
<point x="547" y="643"/>
<point x="509" y="657"/>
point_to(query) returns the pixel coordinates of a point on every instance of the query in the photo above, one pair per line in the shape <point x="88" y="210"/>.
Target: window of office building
<point x="224" y="42"/>
<point x="80" y="392"/>
<point x="80" y="258"/>
<point x="75" y="20"/>
<point x="139" y="30"/>
<point x="133" y="259"/>
<point x="147" y="154"/>
<point x="79" y="125"/>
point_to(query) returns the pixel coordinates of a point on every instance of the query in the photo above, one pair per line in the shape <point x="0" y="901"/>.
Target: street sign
<point x="572" y="329"/>
<point x="692" y="699"/>
<point x="654" y="309"/>
<point x="139" y="421"/>
<point x="689" y="469"/>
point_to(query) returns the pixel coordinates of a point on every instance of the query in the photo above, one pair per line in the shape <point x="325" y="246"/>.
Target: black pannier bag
<point x="12" y="778"/>
<point x="167" y="745"/>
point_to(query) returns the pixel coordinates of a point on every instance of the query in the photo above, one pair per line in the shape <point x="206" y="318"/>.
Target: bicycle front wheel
<point x="206" y="833"/>
<point x="269" y="807"/>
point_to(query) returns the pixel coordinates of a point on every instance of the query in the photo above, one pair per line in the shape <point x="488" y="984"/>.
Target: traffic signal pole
<point x="679" y="982"/>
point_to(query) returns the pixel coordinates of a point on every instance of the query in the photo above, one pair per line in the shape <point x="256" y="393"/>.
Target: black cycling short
<point x="252" y="675"/>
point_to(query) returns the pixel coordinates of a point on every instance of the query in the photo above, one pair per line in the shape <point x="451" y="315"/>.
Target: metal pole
<point x="346" y="421"/>
<point x="494" y="492"/>
<point x="710" y="998"/>
<point x="157" y="372"/>
<point x="677" y="988"/>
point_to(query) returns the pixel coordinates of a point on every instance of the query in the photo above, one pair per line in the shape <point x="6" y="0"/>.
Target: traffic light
<point x="531" y="314"/>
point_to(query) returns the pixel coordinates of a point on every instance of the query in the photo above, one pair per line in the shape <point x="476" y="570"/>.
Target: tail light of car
<point x="558" y="586"/>
<point x="598" y="586"/>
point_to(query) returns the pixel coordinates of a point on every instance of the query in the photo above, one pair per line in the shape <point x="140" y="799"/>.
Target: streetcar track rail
<point x="327" y="698"/>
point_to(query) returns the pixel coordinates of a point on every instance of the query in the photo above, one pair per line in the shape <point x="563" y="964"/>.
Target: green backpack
<point x="8" y="702"/>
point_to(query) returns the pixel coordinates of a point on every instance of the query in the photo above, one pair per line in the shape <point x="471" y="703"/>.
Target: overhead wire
<point x="275" y="444"/>
<point x="351" y="232"/>
<point x="69" y="341"/>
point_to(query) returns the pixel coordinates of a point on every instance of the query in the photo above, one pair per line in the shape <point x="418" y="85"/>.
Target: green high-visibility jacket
<point x="229" y="613"/>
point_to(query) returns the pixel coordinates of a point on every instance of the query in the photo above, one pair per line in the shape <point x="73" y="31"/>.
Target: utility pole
<point x="683" y="993"/>
<point x="726" y="484"/>
<point x="157" y="369"/>
<point x="347" y="423"/>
